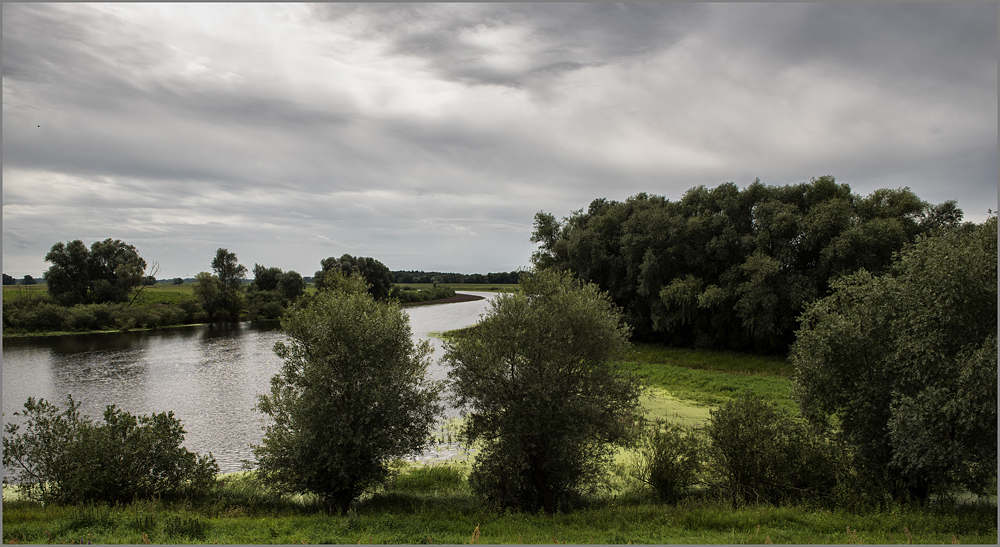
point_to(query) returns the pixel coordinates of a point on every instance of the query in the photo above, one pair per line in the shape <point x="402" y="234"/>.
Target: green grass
<point x="710" y="378"/>
<point x="433" y="505"/>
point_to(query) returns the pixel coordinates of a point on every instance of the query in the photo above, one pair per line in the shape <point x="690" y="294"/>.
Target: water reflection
<point x="210" y="376"/>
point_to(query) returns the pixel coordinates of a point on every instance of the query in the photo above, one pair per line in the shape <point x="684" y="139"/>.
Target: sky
<point x="428" y="135"/>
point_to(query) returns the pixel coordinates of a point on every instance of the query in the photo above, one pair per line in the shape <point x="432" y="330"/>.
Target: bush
<point x="671" y="459"/>
<point x="44" y="316"/>
<point x="547" y="399"/>
<point x="761" y="454"/>
<point x="351" y="396"/>
<point x="66" y="458"/>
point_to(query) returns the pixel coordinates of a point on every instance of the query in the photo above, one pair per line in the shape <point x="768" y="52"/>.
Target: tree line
<point x="420" y="276"/>
<point x="729" y="268"/>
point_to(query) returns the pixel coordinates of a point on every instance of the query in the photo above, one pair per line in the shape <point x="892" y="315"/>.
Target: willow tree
<point x="543" y="395"/>
<point x="351" y="396"/>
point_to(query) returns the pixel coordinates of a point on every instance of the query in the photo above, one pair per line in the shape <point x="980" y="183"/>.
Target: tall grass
<point x="432" y="505"/>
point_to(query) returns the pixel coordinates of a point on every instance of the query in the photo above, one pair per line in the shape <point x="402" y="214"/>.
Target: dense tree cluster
<point x="272" y="290"/>
<point x="106" y="272"/>
<point x="731" y="268"/>
<point x="906" y="364"/>
<point x="375" y="274"/>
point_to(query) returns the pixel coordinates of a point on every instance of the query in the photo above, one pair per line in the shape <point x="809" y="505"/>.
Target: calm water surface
<point x="209" y="375"/>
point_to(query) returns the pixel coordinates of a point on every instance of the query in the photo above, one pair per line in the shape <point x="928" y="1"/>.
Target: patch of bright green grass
<point x="722" y="361"/>
<point x="711" y="378"/>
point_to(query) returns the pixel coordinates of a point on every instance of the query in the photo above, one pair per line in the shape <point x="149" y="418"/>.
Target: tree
<point x="351" y="396"/>
<point x="907" y="363"/>
<point x="291" y="285"/>
<point x="107" y="272"/>
<point x="9" y="280"/>
<point x="178" y="281"/>
<point x="230" y="274"/>
<point x="265" y="279"/>
<point x="543" y="395"/>
<point x="68" y="279"/>
<point x="208" y="290"/>
<point x="376" y="275"/>
<point x="28" y="280"/>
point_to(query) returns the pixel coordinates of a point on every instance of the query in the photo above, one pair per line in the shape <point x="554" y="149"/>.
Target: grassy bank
<point x="433" y="505"/>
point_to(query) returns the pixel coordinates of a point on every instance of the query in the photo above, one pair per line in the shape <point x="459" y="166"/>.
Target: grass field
<point x="432" y="504"/>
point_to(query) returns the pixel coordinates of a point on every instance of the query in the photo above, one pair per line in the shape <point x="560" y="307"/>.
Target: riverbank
<point x="450" y="300"/>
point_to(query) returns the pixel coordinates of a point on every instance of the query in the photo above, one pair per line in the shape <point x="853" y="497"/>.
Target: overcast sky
<point x="428" y="135"/>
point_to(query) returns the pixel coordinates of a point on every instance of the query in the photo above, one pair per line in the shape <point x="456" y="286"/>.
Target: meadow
<point x="431" y="503"/>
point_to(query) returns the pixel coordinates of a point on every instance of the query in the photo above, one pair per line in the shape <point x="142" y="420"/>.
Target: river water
<point x="209" y="375"/>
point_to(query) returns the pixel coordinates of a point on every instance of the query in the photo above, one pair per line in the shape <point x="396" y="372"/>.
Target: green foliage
<point x="906" y="364"/>
<point x="351" y="396"/>
<point x="230" y="274"/>
<point x="727" y="268"/>
<point x="107" y="272"/>
<point x="376" y="275"/>
<point x="671" y="458"/>
<point x="208" y="290"/>
<point x="271" y="292"/>
<point x="405" y="295"/>
<point x="761" y="454"/>
<point x="546" y="401"/>
<point x="64" y="457"/>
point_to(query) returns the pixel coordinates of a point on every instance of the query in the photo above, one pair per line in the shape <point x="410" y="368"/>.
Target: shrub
<point x="45" y="316"/>
<point x="671" y="459"/>
<point x="547" y="399"/>
<point x="351" y="397"/>
<point x="762" y="454"/>
<point x="66" y="458"/>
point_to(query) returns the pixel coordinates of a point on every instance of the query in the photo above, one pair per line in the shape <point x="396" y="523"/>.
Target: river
<point x="209" y="375"/>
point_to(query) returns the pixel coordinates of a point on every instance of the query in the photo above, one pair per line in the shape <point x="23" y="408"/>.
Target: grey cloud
<point x="557" y="37"/>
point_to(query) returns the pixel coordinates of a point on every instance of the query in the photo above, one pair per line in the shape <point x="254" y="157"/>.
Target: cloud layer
<point x="428" y="135"/>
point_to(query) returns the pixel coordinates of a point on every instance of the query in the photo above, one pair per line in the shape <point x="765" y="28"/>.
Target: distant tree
<point x="265" y="279"/>
<point x="68" y="278"/>
<point x="115" y="270"/>
<point x="230" y="274"/>
<point x="376" y="275"/>
<point x="208" y="290"/>
<point x="149" y="280"/>
<point x="352" y="396"/>
<point x="107" y="272"/>
<point x="906" y="362"/>
<point x="178" y="281"/>
<point x="546" y="401"/>
<point x="291" y="285"/>
<point x="28" y="280"/>
<point x="8" y="280"/>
